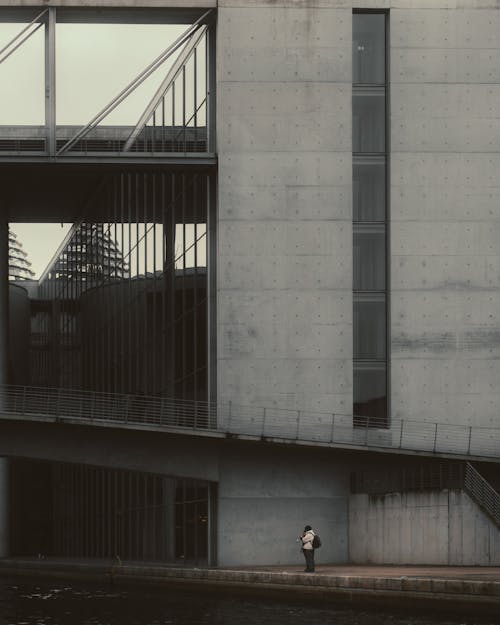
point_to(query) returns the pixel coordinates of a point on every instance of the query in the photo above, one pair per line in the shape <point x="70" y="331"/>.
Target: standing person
<point x="307" y="538"/>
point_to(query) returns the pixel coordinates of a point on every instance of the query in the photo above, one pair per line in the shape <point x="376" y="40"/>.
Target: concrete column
<point x="4" y="368"/>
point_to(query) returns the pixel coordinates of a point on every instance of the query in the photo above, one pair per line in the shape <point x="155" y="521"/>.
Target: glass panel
<point x="368" y="48"/>
<point x="370" y="394"/>
<point x="369" y="191"/>
<point x="369" y="260"/>
<point x="368" y="123"/>
<point x="370" y="328"/>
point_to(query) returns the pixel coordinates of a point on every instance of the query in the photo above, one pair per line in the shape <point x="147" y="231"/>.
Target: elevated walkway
<point x="252" y="423"/>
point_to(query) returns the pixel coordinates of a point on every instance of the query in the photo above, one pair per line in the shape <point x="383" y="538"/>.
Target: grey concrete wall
<point x="266" y="500"/>
<point x="436" y="527"/>
<point x="284" y="274"/>
<point x="445" y="222"/>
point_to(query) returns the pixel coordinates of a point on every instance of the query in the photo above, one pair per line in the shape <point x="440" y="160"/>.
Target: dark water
<point x="33" y="603"/>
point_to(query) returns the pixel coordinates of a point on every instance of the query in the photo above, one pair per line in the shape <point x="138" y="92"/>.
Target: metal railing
<point x="227" y="419"/>
<point x="481" y="491"/>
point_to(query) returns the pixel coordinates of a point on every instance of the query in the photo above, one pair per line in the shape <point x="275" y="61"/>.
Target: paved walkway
<point x="485" y="573"/>
<point x="463" y="589"/>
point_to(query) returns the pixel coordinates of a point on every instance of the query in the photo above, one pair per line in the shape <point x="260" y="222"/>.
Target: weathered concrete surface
<point x="445" y="223"/>
<point x="436" y="527"/>
<point x="284" y="304"/>
<point x="265" y="503"/>
<point x="465" y="590"/>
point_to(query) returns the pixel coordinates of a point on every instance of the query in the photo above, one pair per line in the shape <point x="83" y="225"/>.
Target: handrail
<point x="481" y="491"/>
<point x="254" y="422"/>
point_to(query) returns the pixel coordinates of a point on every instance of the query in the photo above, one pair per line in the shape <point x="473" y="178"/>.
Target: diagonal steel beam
<point x="138" y="80"/>
<point x="165" y="85"/>
<point x="19" y="34"/>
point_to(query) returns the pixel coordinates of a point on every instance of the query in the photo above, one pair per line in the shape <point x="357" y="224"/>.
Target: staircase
<point x="482" y="492"/>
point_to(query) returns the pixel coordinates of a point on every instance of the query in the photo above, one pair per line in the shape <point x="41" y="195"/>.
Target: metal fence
<point x="254" y="422"/>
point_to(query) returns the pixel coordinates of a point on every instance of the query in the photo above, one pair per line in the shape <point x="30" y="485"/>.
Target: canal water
<point x="25" y="602"/>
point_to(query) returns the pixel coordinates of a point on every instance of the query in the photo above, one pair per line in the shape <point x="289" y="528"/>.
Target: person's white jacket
<point x="307" y="540"/>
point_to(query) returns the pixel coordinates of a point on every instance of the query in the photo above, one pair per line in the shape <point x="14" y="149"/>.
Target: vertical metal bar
<point x="154" y="481"/>
<point x="333" y="427"/>
<point x="163" y="124"/>
<point x="130" y="387"/>
<point x="173" y="148"/>
<point x="401" y="434"/>
<point x="195" y="96"/>
<point x="172" y="303"/>
<point x="184" y="521"/>
<point x="130" y="523"/>
<point x="184" y="107"/>
<point x="137" y="347"/>
<point x="102" y="515"/>
<point x="137" y="530"/>
<point x="211" y="345"/>
<point x="122" y="550"/>
<point x="163" y="285"/>
<point x="184" y="287"/>
<point x="50" y="81"/>
<point x="211" y="90"/>
<point x="298" y="425"/>
<point x="195" y="294"/>
<point x="435" y="436"/>
<point x="470" y="436"/>
<point x="153" y="350"/>
<point x="145" y="349"/>
<point x="109" y="515"/>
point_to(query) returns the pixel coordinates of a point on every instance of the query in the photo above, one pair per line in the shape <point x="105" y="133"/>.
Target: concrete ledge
<point x="390" y="590"/>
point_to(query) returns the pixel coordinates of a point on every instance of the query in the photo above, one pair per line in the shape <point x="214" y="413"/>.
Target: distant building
<point x="19" y="265"/>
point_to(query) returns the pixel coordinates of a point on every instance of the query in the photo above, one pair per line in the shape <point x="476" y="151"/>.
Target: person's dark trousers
<point x="309" y="556"/>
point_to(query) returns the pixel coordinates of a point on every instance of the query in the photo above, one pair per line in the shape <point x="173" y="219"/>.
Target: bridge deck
<point x="250" y="423"/>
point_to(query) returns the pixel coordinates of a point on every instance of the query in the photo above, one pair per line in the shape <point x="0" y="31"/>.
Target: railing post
<point x="333" y="426"/>
<point x="229" y="416"/>
<point x="435" y="437"/>
<point x="126" y="407"/>
<point x="298" y="426"/>
<point x="366" y="431"/>
<point x="401" y="434"/>
<point x="23" y="407"/>
<point x="263" y="422"/>
<point x="470" y="436"/>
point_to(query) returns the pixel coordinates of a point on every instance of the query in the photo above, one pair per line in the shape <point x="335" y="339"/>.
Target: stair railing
<point x="481" y="491"/>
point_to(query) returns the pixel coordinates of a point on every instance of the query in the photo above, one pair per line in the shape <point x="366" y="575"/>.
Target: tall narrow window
<point x="369" y="146"/>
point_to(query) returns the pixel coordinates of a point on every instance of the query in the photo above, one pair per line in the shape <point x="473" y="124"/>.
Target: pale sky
<point x="94" y="62"/>
<point x="40" y="242"/>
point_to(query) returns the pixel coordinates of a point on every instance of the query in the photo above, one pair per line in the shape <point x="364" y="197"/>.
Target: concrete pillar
<point x="4" y="368"/>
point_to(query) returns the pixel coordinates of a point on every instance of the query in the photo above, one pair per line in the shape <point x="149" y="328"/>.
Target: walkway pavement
<point x="451" y="589"/>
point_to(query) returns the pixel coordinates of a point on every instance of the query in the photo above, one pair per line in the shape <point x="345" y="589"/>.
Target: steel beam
<point x="50" y="81"/>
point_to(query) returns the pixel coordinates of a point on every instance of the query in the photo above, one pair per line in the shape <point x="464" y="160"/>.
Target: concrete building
<point x="312" y="273"/>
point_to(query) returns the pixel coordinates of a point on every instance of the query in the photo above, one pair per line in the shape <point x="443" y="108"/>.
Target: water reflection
<point x="32" y="603"/>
